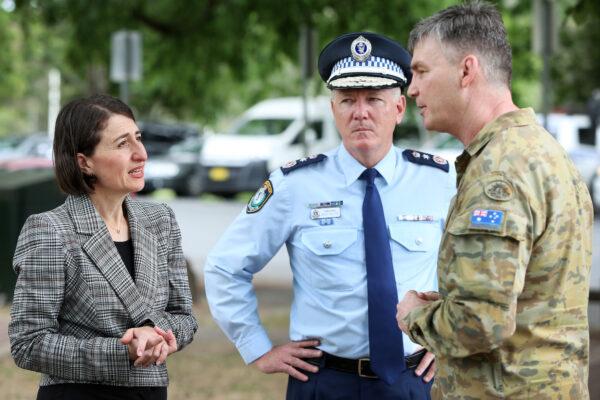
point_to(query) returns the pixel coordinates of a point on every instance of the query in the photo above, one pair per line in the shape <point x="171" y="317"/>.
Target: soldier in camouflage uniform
<point x="510" y="321"/>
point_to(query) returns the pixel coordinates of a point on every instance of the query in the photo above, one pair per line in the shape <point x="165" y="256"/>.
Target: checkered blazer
<point x="74" y="297"/>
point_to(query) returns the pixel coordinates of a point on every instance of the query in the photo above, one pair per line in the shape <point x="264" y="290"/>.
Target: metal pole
<point x="547" y="29"/>
<point x="124" y="91"/>
<point x="53" y="99"/>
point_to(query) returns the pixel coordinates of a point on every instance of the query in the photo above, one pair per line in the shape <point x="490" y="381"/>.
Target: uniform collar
<point x="520" y="117"/>
<point x="352" y="169"/>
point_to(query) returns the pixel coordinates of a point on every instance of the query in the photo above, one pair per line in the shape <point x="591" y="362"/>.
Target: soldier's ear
<point x="469" y="69"/>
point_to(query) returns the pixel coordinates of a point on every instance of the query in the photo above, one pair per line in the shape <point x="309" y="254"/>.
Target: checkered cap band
<point x="373" y="66"/>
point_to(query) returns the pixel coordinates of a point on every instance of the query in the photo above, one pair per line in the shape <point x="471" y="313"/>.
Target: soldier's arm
<point x="483" y="267"/>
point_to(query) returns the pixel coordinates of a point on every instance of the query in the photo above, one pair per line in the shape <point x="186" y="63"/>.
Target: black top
<point x="126" y="252"/>
<point x="79" y="391"/>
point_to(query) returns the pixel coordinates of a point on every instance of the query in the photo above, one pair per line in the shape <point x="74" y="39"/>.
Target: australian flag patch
<point x="491" y="219"/>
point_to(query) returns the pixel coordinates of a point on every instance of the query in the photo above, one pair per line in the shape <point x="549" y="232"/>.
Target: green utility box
<point x="22" y="193"/>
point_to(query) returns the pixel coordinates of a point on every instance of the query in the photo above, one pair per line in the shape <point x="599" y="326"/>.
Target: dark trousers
<point x="329" y="384"/>
<point x="80" y="391"/>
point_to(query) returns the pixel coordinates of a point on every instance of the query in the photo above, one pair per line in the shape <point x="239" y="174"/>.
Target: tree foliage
<point x="204" y="59"/>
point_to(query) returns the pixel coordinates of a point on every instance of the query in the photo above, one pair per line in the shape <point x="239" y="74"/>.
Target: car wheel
<point x="194" y="186"/>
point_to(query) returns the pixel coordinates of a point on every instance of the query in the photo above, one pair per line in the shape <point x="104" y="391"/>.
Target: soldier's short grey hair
<point x="474" y="27"/>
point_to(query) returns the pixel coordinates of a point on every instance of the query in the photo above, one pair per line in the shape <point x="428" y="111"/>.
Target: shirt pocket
<point x="414" y="246"/>
<point x="416" y="236"/>
<point x="335" y="262"/>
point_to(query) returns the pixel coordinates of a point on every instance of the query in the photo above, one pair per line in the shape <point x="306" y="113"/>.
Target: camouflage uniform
<point x="512" y="321"/>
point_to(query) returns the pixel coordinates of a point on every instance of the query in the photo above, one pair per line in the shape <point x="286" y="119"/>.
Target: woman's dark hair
<point x="78" y="128"/>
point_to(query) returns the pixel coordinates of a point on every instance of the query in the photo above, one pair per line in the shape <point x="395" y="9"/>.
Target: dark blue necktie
<point x="385" y="338"/>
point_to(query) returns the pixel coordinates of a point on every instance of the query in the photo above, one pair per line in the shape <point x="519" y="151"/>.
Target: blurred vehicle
<point x="31" y="152"/>
<point x="158" y="137"/>
<point x="595" y="190"/>
<point x="574" y="133"/>
<point x="34" y="145"/>
<point x="179" y="169"/>
<point x="8" y="145"/>
<point x="411" y="134"/>
<point x="265" y="137"/>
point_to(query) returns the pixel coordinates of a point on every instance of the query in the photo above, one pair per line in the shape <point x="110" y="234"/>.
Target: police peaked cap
<point x="364" y="60"/>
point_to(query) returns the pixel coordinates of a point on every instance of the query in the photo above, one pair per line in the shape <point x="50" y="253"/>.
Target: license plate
<point x="218" y="174"/>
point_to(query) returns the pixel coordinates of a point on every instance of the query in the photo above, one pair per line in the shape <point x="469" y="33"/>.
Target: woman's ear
<point x="84" y="164"/>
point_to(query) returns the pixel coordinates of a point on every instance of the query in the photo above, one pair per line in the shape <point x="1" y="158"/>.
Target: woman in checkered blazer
<point x="102" y="295"/>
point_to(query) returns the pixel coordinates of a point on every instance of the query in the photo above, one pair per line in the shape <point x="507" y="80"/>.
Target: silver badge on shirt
<point x="324" y="212"/>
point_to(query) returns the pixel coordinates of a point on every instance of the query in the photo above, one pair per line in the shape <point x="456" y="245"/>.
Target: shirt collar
<point x="352" y="169"/>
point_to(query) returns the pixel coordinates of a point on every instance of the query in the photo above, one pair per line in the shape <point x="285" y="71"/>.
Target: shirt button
<point x="418" y="241"/>
<point x="327" y="244"/>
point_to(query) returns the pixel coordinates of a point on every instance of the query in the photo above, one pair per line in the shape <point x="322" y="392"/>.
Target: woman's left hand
<point x="145" y="345"/>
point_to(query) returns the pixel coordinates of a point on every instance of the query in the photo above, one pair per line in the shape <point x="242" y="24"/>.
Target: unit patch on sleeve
<point x="304" y="161"/>
<point x="260" y="198"/>
<point x="418" y="157"/>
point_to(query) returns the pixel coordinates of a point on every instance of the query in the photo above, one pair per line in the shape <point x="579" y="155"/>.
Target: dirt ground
<point x="210" y="368"/>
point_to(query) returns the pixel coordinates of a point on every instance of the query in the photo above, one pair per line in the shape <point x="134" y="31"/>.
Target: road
<point x="203" y="222"/>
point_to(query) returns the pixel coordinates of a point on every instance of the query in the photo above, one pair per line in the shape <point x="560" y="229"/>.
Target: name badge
<point x="325" y="212"/>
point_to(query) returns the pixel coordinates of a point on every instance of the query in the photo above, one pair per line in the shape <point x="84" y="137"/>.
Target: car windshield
<point x="192" y="145"/>
<point x="263" y="127"/>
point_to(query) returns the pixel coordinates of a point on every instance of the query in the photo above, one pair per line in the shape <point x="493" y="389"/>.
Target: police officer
<point x="510" y="321"/>
<point x="362" y="225"/>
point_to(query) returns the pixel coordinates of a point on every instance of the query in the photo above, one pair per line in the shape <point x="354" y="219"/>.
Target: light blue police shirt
<point x="327" y="255"/>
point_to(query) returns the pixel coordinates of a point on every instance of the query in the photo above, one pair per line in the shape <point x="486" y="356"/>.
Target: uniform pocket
<point x="416" y="236"/>
<point x="414" y="246"/>
<point x="334" y="262"/>
<point x="327" y="242"/>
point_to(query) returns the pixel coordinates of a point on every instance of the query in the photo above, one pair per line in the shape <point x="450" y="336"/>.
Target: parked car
<point x="262" y="139"/>
<point x="595" y="191"/>
<point x="31" y="152"/>
<point x="574" y="133"/>
<point x="158" y="137"/>
<point x="179" y="169"/>
<point x="8" y="144"/>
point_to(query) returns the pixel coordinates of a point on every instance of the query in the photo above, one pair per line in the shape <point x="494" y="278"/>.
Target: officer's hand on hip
<point x="288" y="357"/>
<point x="428" y="361"/>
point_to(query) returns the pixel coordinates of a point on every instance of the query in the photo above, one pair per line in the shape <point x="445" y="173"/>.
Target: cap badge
<point x="360" y="48"/>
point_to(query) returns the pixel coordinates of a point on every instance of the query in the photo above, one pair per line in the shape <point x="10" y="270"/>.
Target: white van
<point x="574" y="133"/>
<point x="264" y="138"/>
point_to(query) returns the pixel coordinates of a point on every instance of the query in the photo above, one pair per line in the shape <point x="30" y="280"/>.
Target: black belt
<point x="362" y="366"/>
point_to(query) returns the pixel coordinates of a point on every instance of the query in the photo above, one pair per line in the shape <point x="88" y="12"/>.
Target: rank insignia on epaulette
<point x="301" y="162"/>
<point x="260" y="198"/>
<point x="419" y="157"/>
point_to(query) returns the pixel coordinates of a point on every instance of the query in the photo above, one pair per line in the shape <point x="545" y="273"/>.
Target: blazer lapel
<point x="102" y="251"/>
<point x="145" y="250"/>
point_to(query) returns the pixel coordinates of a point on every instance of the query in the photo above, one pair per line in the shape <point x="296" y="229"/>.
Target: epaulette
<point x="302" y="162"/>
<point x="418" y="157"/>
